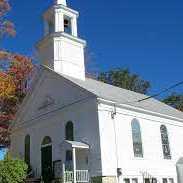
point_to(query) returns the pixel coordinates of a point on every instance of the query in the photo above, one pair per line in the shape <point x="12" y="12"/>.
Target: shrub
<point x="96" y="180"/>
<point x="12" y="170"/>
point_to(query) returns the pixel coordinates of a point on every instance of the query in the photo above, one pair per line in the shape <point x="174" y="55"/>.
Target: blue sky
<point x="2" y="154"/>
<point x="145" y="36"/>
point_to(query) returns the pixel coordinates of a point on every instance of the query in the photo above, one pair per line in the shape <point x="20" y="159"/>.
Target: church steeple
<point x="63" y="2"/>
<point x="61" y="49"/>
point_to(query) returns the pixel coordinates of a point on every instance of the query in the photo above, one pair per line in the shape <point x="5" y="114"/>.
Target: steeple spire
<point x="63" y="2"/>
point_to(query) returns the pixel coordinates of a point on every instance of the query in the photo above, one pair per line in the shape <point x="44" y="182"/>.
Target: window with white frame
<point x="135" y="180"/>
<point x="168" y="180"/>
<point x="171" y="180"/>
<point x="150" y="180"/>
<point x="128" y="180"/>
<point x="147" y="180"/>
<point x="154" y="180"/>
<point x="137" y="139"/>
<point x="165" y="142"/>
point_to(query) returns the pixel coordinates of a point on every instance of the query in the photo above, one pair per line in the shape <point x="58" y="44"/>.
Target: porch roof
<point x="74" y="144"/>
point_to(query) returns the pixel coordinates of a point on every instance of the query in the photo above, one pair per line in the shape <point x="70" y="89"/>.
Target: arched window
<point x="165" y="142"/>
<point x="46" y="141"/>
<point x="69" y="131"/>
<point x="137" y="140"/>
<point x="27" y="150"/>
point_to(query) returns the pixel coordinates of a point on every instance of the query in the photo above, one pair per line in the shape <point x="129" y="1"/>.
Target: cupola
<point x="61" y="49"/>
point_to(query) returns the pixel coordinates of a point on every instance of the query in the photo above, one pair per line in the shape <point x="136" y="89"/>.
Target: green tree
<point x="123" y="78"/>
<point x="175" y="100"/>
<point x="12" y="170"/>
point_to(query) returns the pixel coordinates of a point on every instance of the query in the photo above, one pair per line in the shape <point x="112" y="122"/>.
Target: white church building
<point x="82" y="130"/>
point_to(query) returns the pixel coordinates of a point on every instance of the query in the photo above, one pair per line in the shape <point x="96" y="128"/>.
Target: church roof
<point x="123" y="96"/>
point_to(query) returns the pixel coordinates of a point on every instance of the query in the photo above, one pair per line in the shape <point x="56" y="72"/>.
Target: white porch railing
<point x="82" y="176"/>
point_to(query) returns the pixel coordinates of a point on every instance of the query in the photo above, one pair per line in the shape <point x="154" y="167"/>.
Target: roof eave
<point x="137" y="109"/>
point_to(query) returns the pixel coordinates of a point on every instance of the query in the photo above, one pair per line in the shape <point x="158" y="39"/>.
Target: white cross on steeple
<point x="63" y="2"/>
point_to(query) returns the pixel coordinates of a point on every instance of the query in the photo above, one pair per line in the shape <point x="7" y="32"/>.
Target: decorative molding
<point x="59" y="35"/>
<point x="47" y="102"/>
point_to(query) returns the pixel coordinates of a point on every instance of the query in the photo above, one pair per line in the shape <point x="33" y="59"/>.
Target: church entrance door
<point x="46" y="162"/>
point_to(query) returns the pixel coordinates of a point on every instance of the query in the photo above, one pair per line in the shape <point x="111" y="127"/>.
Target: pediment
<point x="51" y="91"/>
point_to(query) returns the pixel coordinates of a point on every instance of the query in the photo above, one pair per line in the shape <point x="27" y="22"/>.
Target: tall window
<point x="165" y="142"/>
<point x="69" y="131"/>
<point x="137" y="140"/>
<point x="27" y="150"/>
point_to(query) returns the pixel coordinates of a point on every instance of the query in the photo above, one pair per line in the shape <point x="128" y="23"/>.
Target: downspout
<point x="113" y="114"/>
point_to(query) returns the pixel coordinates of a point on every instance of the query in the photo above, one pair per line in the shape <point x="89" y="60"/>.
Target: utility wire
<point x="153" y="96"/>
<point x="147" y="98"/>
<point x="58" y="109"/>
<point x="137" y="101"/>
<point x="163" y="91"/>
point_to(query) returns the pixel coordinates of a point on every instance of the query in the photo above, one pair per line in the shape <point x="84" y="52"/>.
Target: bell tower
<point x="61" y="49"/>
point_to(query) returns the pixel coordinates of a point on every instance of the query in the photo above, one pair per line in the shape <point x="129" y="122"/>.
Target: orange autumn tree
<point x="7" y="87"/>
<point x="13" y="88"/>
<point x="7" y="90"/>
<point x="13" y="82"/>
<point x="13" y="77"/>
